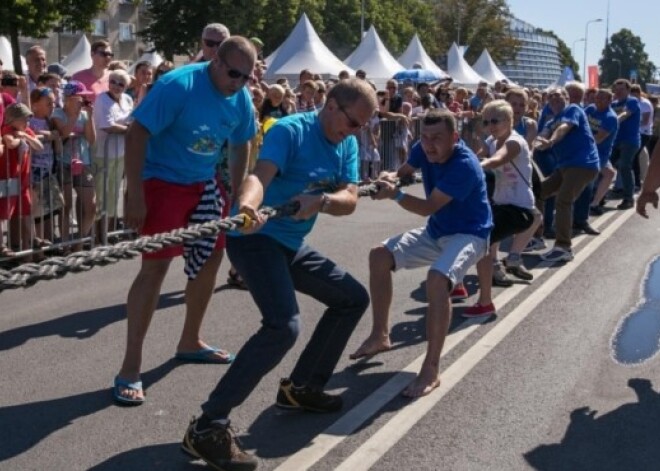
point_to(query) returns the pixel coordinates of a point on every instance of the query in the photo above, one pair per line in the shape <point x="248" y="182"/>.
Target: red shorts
<point x="21" y="205"/>
<point x="169" y="206"/>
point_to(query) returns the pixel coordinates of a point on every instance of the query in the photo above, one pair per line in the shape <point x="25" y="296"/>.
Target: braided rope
<point x="57" y="267"/>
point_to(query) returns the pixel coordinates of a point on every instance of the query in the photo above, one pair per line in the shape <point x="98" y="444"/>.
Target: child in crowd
<point x="18" y="140"/>
<point x="47" y="198"/>
<point x="369" y="155"/>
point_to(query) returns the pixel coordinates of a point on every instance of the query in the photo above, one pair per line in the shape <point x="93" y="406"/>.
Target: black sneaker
<point x="294" y="397"/>
<point x="626" y="204"/>
<point x="217" y="446"/>
<point x="517" y="269"/>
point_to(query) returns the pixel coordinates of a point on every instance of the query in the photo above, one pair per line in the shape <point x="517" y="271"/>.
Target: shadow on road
<point x="25" y="425"/>
<point x="626" y="438"/>
<point x="163" y="457"/>
<point x="79" y="325"/>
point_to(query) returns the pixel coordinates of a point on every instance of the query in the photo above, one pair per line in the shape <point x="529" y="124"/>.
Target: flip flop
<point x="369" y="354"/>
<point x="205" y="355"/>
<point x="126" y="384"/>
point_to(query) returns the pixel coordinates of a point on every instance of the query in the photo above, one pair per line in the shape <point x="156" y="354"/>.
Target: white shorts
<point x="450" y="255"/>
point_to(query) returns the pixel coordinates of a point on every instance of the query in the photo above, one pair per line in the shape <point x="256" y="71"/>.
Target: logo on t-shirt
<point x="204" y="143"/>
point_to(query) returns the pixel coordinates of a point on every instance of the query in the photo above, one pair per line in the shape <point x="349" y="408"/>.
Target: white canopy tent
<point x="415" y="55"/>
<point x="486" y="67"/>
<point x="303" y="49"/>
<point x="372" y="56"/>
<point x="460" y="70"/>
<point x="6" y="55"/>
<point x="80" y="57"/>
<point x="152" y="57"/>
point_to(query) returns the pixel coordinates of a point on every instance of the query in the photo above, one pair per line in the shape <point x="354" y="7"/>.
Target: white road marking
<point x="353" y="419"/>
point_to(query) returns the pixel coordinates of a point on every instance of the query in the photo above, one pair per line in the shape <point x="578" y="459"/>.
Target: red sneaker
<point x="479" y="311"/>
<point x="459" y="293"/>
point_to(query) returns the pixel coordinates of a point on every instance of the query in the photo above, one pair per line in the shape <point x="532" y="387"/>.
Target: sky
<point x="568" y="20"/>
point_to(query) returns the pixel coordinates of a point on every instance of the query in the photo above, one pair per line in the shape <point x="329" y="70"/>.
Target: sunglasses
<point x="118" y="84"/>
<point x="491" y="121"/>
<point x="237" y="74"/>
<point x="353" y="124"/>
<point x="105" y="53"/>
<point x="44" y="92"/>
<point x="211" y="42"/>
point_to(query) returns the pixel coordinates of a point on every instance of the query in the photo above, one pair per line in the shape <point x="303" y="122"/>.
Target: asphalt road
<point x="535" y="387"/>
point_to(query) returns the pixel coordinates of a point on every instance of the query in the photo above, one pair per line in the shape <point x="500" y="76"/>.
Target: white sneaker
<point x="557" y="254"/>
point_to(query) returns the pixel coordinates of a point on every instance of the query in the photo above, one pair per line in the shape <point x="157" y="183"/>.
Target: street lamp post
<point x="574" y="43"/>
<point x="586" y="39"/>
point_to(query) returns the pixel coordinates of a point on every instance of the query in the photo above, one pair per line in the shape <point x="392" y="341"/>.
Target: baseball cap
<point x="16" y="111"/>
<point x="59" y="69"/>
<point x="76" y="88"/>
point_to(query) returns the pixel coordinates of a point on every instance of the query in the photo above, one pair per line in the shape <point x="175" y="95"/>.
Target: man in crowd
<point x="96" y="77"/>
<point x="35" y="57"/>
<point x="172" y="149"/>
<point x="310" y="159"/>
<point x="213" y="35"/>
<point x="454" y="238"/>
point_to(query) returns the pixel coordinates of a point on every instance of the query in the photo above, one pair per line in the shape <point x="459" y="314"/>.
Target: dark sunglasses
<point x="118" y="84"/>
<point x="351" y="122"/>
<point x="211" y="42"/>
<point x="491" y="121"/>
<point x="237" y="74"/>
<point x="105" y="53"/>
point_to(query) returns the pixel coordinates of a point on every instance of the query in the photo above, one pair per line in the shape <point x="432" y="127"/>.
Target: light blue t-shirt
<point x="189" y="120"/>
<point x="629" y="127"/>
<point x="307" y="163"/>
<point x="462" y="178"/>
<point x="578" y="147"/>
<point x="607" y="121"/>
<point x="76" y="146"/>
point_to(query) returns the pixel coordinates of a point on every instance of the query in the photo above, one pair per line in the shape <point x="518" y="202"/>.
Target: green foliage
<point x="480" y="24"/>
<point x="625" y="52"/>
<point x="37" y="18"/>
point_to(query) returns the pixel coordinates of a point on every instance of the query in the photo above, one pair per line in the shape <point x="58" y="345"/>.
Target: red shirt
<point x="16" y="162"/>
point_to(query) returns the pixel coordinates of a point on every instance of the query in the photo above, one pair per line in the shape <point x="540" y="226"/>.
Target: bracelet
<point x="399" y="196"/>
<point x="325" y="203"/>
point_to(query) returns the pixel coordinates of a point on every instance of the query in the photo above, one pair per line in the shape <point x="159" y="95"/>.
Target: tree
<point x="624" y="53"/>
<point x="37" y="18"/>
<point x="566" y="58"/>
<point x="479" y="24"/>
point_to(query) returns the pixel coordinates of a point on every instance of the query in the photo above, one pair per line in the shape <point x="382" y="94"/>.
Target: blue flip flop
<point x="204" y="355"/>
<point x="126" y="384"/>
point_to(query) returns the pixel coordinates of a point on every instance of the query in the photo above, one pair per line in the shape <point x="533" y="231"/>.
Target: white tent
<point x="415" y="54"/>
<point x="486" y="67"/>
<point x="303" y="49"/>
<point x="460" y="70"/>
<point x="152" y="57"/>
<point x="80" y="57"/>
<point x="372" y="57"/>
<point x="6" y="55"/>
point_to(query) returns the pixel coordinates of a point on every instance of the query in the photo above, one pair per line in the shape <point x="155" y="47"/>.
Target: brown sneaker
<point x="217" y="446"/>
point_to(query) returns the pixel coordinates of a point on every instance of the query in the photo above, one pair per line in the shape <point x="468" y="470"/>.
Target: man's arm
<point x="238" y="162"/>
<point x="504" y="154"/>
<point x="420" y="206"/>
<point x="137" y="137"/>
<point x="650" y="185"/>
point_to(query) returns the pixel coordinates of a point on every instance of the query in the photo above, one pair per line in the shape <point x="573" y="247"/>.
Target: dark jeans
<point x="273" y="273"/>
<point x="623" y="155"/>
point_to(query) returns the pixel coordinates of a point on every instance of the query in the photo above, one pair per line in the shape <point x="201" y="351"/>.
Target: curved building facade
<point x="537" y="64"/>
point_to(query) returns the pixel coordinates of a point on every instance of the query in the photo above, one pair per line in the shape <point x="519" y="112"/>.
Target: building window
<point x="126" y="32"/>
<point x="99" y="27"/>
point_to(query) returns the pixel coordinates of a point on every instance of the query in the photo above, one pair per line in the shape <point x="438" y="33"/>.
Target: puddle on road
<point x="637" y="337"/>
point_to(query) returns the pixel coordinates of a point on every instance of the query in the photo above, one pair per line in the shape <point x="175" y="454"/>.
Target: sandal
<point x="121" y="383"/>
<point x="235" y="280"/>
<point x="6" y="252"/>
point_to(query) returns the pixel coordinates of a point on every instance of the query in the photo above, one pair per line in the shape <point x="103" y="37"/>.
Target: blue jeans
<point x="624" y="155"/>
<point x="273" y="273"/>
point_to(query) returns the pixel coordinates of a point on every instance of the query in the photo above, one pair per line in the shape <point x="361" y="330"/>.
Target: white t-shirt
<point x="510" y="186"/>
<point x="645" y="106"/>
<point x="107" y="113"/>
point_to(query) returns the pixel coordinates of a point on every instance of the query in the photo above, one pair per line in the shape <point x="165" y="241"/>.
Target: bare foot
<point x="372" y="346"/>
<point x="423" y="384"/>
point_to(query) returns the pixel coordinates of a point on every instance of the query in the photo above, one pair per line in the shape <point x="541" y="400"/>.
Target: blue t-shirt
<point x="628" y="128"/>
<point x="190" y="120"/>
<point x="307" y="163"/>
<point x="462" y="178"/>
<point x="578" y="147"/>
<point x="607" y="121"/>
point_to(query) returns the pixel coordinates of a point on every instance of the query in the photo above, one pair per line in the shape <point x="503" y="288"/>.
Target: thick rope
<point x="56" y="267"/>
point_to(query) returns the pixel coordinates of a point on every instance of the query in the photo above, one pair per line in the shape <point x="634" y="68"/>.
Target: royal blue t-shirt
<point x="607" y="121"/>
<point x="462" y="178"/>
<point x="629" y="127"/>
<point x="189" y="120"/>
<point x="307" y="163"/>
<point x="578" y="147"/>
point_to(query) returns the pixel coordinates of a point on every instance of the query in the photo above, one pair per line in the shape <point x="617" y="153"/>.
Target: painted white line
<point x="353" y="419"/>
<point x="385" y="438"/>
